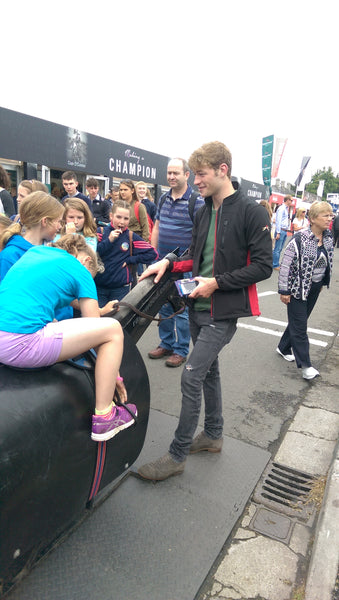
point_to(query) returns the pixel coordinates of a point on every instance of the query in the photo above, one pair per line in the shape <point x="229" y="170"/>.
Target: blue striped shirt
<point x="175" y="225"/>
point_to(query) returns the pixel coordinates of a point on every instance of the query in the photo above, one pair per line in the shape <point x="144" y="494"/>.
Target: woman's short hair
<point x="317" y="208"/>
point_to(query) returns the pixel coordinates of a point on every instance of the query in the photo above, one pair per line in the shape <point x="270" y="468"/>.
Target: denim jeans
<point x="201" y="374"/>
<point x="278" y="246"/>
<point x="174" y="333"/>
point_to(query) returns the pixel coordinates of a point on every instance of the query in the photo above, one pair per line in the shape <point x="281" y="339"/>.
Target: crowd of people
<point x="71" y="255"/>
<point x="64" y="257"/>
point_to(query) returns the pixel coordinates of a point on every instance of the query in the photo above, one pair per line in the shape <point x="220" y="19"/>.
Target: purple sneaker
<point x="120" y="418"/>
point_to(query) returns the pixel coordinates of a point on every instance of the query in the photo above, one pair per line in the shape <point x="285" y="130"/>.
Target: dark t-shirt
<point x="80" y="196"/>
<point x="7" y="203"/>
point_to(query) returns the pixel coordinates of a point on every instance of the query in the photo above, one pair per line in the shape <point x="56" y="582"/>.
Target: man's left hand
<point x="206" y="287"/>
<point x="158" y="269"/>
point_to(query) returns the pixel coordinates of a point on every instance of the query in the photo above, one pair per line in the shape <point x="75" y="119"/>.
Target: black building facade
<point x="35" y="142"/>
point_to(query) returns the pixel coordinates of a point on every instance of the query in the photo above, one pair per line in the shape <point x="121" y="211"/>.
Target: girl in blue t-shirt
<point x="40" y="219"/>
<point x="49" y="278"/>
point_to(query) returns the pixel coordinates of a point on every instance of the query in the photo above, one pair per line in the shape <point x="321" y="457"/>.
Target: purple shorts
<point x="29" y="350"/>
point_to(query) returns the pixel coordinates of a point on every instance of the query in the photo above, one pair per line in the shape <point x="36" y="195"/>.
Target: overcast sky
<point x="170" y="76"/>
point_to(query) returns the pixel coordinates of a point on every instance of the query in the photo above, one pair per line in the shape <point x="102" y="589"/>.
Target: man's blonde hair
<point x="212" y="154"/>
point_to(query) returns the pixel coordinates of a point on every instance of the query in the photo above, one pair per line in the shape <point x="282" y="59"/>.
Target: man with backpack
<point x="173" y="229"/>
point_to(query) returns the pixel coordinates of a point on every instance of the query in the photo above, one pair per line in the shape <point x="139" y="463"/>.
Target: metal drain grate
<point x="286" y="490"/>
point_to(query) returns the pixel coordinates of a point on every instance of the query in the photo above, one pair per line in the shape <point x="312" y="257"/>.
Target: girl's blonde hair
<point x="38" y="206"/>
<point x="267" y="205"/>
<point x="33" y="209"/>
<point x="148" y="193"/>
<point x="89" y="228"/>
<point x="4" y="222"/>
<point x="300" y="212"/>
<point x="33" y="185"/>
<point x="120" y="204"/>
<point x="74" y="243"/>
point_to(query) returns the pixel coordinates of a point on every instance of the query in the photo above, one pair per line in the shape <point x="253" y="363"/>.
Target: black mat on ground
<point x="151" y="541"/>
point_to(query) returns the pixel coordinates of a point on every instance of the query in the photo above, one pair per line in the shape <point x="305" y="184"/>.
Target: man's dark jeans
<point x="201" y="373"/>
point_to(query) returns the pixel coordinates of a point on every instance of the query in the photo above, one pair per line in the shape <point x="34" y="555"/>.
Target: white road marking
<point x="277" y="333"/>
<point x="283" y="324"/>
<point x="266" y="294"/>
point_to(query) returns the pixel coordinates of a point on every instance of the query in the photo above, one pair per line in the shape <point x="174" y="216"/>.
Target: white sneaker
<point x="289" y="357"/>
<point x="310" y="373"/>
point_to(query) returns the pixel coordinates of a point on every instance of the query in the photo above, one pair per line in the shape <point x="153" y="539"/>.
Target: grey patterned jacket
<point x="296" y="269"/>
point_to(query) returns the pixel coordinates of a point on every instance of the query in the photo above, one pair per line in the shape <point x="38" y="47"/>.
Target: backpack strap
<point x="136" y="210"/>
<point x="130" y="233"/>
<point x="161" y="201"/>
<point x="191" y="203"/>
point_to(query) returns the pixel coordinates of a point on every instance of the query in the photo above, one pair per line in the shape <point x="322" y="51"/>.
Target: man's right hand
<point x="157" y="269"/>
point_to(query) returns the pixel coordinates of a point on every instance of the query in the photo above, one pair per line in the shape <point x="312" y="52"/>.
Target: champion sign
<point x="132" y="166"/>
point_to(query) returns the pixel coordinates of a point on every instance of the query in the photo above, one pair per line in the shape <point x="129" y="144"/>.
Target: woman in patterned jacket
<point x="306" y="267"/>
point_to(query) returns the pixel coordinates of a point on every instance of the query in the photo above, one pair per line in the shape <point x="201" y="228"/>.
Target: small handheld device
<point x="186" y="286"/>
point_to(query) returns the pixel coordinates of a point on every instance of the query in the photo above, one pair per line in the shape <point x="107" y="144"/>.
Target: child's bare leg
<point x="106" y="336"/>
<point x="109" y="355"/>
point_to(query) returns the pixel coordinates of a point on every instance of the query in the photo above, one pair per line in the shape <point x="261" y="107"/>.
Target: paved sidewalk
<point x="304" y="564"/>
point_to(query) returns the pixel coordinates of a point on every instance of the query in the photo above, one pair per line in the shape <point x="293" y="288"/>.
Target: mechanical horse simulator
<point x="50" y="469"/>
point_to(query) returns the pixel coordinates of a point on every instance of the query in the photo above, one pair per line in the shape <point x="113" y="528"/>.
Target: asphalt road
<point x="261" y="391"/>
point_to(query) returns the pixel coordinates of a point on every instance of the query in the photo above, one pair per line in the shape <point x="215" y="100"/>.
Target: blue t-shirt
<point x="14" y="249"/>
<point x="44" y="280"/>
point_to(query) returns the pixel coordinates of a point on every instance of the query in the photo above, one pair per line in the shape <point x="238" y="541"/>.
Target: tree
<point x="331" y="182"/>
